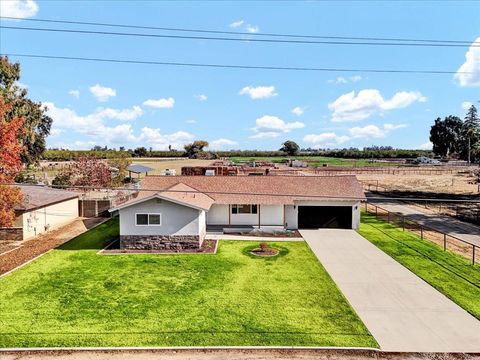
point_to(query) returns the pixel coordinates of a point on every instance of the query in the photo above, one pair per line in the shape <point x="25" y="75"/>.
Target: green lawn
<point x="316" y="161"/>
<point x="74" y="297"/>
<point x="449" y="273"/>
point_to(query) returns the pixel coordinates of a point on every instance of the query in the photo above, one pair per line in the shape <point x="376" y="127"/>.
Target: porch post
<point x="229" y="214"/>
<point x="258" y="208"/>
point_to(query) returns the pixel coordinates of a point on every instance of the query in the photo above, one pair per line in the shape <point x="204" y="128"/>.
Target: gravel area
<point x="30" y="249"/>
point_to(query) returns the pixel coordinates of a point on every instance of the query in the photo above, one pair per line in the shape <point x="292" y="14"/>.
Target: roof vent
<point x="159" y="201"/>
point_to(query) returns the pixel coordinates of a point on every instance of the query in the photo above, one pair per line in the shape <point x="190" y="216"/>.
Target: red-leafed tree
<point x="86" y="171"/>
<point x="10" y="164"/>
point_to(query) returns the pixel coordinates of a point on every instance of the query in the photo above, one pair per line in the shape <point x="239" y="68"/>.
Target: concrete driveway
<point x="401" y="311"/>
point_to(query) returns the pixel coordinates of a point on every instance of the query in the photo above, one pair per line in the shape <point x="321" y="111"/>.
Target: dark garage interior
<point x="314" y="217"/>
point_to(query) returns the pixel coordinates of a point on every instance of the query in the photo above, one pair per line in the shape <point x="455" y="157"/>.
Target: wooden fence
<point x="445" y="240"/>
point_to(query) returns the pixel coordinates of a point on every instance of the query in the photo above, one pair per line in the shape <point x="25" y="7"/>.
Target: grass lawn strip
<point x="316" y="161"/>
<point x="74" y="297"/>
<point x="451" y="274"/>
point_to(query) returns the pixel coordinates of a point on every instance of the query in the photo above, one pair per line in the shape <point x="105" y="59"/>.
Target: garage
<point x="315" y="217"/>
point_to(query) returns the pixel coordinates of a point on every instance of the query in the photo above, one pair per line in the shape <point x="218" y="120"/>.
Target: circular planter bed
<point x="264" y="250"/>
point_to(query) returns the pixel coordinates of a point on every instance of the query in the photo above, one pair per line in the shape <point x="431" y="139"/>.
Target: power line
<point x="232" y="66"/>
<point x="178" y="29"/>
<point x="324" y="42"/>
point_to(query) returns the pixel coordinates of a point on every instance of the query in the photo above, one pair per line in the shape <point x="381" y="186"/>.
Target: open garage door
<point x="314" y="217"/>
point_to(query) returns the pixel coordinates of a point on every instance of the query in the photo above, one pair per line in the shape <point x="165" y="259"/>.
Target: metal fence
<point x="446" y="241"/>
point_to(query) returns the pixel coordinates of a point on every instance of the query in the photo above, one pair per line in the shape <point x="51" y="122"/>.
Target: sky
<point x="130" y="105"/>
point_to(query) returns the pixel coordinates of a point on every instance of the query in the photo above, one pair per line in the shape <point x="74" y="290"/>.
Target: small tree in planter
<point x="264" y="247"/>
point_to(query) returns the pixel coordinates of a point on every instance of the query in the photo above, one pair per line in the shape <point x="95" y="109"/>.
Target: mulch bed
<point x="208" y="247"/>
<point x="30" y="249"/>
<point x="267" y="252"/>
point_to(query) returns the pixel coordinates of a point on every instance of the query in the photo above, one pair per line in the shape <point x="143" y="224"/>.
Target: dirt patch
<point x="458" y="182"/>
<point x="267" y="252"/>
<point x="30" y="249"/>
<point x="231" y="354"/>
<point x="208" y="247"/>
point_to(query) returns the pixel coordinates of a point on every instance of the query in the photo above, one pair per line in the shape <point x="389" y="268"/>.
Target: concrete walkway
<point x="401" y="311"/>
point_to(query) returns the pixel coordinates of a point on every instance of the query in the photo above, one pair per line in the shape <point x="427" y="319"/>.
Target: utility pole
<point x="469" y="162"/>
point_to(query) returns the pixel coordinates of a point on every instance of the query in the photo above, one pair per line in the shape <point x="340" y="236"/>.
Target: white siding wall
<point x="291" y="217"/>
<point x="48" y="218"/>
<point x="271" y="215"/>
<point x="176" y="219"/>
<point x="244" y="219"/>
<point x="202" y="224"/>
<point x="218" y="215"/>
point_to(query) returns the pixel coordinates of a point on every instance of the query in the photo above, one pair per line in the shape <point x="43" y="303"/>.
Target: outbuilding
<point x="42" y="209"/>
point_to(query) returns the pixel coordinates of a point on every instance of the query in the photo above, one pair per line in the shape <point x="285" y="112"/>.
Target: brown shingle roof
<point x="39" y="196"/>
<point x="261" y="189"/>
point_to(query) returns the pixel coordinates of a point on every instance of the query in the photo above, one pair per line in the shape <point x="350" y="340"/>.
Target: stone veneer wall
<point x="159" y="242"/>
<point x="11" y="234"/>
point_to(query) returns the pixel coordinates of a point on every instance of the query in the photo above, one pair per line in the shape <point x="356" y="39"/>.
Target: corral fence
<point x="461" y="210"/>
<point x="445" y="240"/>
<point x="387" y="170"/>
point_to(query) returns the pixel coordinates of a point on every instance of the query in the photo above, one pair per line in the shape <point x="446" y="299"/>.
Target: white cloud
<point x="466" y="105"/>
<point x="157" y="140"/>
<point x="468" y="75"/>
<point x="269" y="126"/>
<point x="367" y="102"/>
<point x="373" y="131"/>
<point x="201" y="97"/>
<point x="55" y="132"/>
<point x="102" y="93"/>
<point x="326" y="139"/>
<point x="74" y="93"/>
<point x="259" y="92"/>
<point x="345" y="80"/>
<point x="236" y="24"/>
<point x="191" y="121"/>
<point x="426" y="146"/>
<point x="221" y="144"/>
<point x="166" y="103"/>
<point x="252" y="28"/>
<point x="123" y="115"/>
<point x="93" y="126"/>
<point x="18" y="8"/>
<point x="298" y="110"/>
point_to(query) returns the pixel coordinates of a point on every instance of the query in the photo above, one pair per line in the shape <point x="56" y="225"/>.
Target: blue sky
<point x="156" y="106"/>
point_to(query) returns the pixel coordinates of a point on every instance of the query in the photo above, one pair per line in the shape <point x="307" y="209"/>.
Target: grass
<point x="317" y="161"/>
<point x="74" y="297"/>
<point x="451" y="274"/>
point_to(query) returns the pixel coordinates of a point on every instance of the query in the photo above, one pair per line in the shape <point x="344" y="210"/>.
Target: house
<point x="175" y="211"/>
<point x="41" y="210"/>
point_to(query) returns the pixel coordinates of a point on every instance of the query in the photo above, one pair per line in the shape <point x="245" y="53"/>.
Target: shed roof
<point x="36" y="196"/>
<point x="137" y="168"/>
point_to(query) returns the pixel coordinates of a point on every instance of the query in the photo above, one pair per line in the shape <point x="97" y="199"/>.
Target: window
<point x="148" y="219"/>
<point x="244" y="209"/>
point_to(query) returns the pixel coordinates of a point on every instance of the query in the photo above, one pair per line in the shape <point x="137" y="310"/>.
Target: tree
<point x="86" y="171"/>
<point x="10" y="164"/>
<point x="446" y="135"/>
<point x="121" y="165"/>
<point x="193" y="150"/>
<point x="471" y="134"/>
<point x="35" y="121"/>
<point x="290" y="147"/>
<point x="140" y="152"/>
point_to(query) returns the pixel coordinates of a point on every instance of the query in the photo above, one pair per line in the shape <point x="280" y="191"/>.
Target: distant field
<point x="317" y="161"/>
